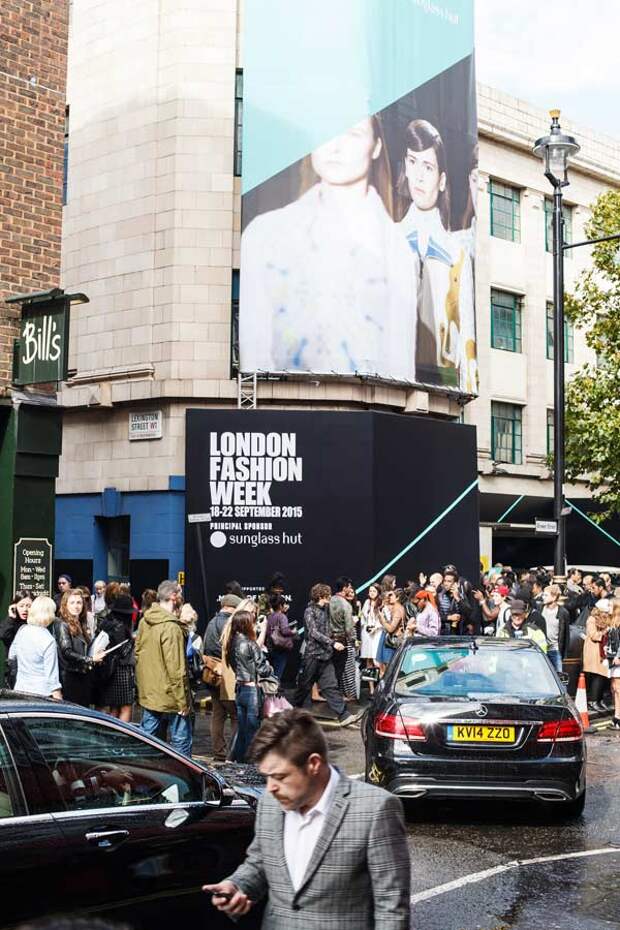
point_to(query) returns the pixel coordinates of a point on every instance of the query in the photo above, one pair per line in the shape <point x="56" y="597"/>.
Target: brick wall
<point x="33" y="52"/>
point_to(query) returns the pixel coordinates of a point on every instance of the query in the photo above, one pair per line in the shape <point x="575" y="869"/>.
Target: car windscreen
<point x="463" y="672"/>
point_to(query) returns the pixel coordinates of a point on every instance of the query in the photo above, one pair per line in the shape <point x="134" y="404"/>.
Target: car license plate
<point x="480" y="733"/>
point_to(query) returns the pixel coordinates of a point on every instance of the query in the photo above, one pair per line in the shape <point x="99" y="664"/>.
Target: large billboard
<point x="317" y="494"/>
<point x="359" y="191"/>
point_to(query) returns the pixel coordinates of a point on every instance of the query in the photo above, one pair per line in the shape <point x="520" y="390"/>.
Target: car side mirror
<point x="214" y="794"/>
<point x="564" y="678"/>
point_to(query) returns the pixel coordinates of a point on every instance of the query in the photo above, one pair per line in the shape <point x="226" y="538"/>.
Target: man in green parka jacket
<point x="161" y="670"/>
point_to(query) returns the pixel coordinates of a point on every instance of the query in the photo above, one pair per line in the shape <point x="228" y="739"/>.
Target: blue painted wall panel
<point x="156" y="528"/>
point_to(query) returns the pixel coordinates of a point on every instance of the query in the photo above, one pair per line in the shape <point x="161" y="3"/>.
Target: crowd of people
<point x="110" y="652"/>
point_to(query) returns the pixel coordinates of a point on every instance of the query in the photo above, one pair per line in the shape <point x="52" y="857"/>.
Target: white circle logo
<point x="218" y="539"/>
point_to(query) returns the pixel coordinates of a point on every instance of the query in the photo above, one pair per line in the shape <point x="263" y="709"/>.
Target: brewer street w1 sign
<point x="32" y="566"/>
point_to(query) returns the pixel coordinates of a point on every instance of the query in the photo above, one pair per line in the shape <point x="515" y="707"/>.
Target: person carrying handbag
<point x="216" y="677"/>
<point x="392" y="618"/>
<point x="246" y="658"/>
<point x="280" y="637"/>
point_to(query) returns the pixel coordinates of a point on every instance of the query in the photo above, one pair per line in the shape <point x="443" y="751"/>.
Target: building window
<point x="505" y="211"/>
<point x="65" y="161"/>
<point x="567" y="213"/>
<point x="506" y="433"/>
<point x="506" y="320"/>
<point x="550" y="422"/>
<point x="238" y="122"/>
<point x="569" y="336"/>
<point x="234" y="324"/>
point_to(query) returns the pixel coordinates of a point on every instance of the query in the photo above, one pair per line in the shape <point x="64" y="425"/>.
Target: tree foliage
<point x="593" y="394"/>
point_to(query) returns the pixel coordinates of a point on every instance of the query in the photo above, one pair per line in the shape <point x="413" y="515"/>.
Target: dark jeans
<point x="339" y="660"/>
<point x="278" y="659"/>
<point x="322" y="672"/>
<point x="248" y="720"/>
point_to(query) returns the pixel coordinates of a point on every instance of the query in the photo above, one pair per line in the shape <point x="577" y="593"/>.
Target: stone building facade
<point x="151" y="234"/>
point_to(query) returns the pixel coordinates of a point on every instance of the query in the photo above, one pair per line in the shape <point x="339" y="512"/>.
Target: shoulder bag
<point x="212" y="671"/>
<point x="277" y="638"/>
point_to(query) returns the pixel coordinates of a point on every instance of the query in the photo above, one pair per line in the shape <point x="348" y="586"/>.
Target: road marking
<point x="507" y="867"/>
<point x="602" y="725"/>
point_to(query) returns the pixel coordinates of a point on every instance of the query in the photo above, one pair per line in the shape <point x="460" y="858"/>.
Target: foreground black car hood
<point x="244" y="781"/>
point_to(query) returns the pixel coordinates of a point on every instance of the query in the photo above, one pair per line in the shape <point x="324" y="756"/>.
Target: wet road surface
<point x="454" y="840"/>
<point x="450" y="842"/>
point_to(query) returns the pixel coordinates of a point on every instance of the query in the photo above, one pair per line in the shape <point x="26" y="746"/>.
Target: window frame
<point x="238" y="124"/>
<point x="567" y="215"/>
<point x="517" y="320"/>
<point x="550" y="428"/>
<point x="498" y="193"/>
<point x="235" y="358"/>
<point x="30" y="745"/>
<point x="516" y="439"/>
<point x="15" y="788"/>
<point x="65" y="159"/>
<point x="569" y="336"/>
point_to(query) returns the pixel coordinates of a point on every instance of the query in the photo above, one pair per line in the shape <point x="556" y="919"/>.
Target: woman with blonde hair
<point x="613" y="656"/>
<point x="34" y="650"/>
<point x="594" y="660"/>
<point x="73" y="637"/>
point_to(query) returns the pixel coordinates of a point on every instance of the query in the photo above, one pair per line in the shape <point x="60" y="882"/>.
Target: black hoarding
<point x="318" y="494"/>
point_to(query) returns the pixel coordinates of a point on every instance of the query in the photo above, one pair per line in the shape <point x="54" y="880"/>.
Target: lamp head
<point x="556" y="149"/>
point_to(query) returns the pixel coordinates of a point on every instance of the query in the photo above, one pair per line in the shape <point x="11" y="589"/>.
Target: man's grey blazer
<point x="358" y="877"/>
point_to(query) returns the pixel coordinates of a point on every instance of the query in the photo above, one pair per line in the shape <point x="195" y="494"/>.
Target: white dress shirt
<point x="301" y="831"/>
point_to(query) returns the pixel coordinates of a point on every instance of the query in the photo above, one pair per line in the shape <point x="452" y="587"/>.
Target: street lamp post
<point x="556" y="148"/>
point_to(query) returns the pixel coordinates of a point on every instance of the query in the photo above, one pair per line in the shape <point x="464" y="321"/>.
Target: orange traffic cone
<point x="581" y="701"/>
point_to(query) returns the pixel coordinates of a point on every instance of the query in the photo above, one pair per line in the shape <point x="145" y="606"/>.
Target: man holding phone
<point x="326" y="848"/>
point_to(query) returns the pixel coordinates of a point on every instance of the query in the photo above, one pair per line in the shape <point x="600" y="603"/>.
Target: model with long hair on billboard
<point x="446" y="337"/>
<point x="329" y="284"/>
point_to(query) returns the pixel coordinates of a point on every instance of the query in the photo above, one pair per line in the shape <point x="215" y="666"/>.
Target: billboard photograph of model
<point x="357" y="258"/>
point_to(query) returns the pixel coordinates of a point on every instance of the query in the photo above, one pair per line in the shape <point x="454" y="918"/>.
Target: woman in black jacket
<point x="116" y="676"/>
<point x="245" y="656"/>
<point x="16" y="617"/>
<point x="73" y="638"/>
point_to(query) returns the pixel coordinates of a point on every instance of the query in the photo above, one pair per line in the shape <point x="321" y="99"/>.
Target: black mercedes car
<point x="99" y="819"/>
<point x="464" y="717"/>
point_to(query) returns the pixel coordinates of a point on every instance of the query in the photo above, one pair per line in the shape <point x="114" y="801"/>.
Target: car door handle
<point x="107" y="839"/>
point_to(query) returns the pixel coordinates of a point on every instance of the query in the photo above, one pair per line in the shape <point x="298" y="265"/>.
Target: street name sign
<point x="145" y="425"/>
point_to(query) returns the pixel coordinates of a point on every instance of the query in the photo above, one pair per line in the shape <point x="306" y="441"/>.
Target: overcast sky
<point x="554" y="53"/>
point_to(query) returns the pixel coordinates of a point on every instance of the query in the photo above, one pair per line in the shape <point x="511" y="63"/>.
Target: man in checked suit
<point x="329" y="852"/>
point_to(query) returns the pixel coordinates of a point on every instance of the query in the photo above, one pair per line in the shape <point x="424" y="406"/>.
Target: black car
<point x="98" y="818"/>
<point x="464" y="717"/>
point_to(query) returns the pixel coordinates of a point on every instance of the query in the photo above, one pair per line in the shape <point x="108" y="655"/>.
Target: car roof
<point x="15" y="701"/>
<point x="480" y="642"/>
